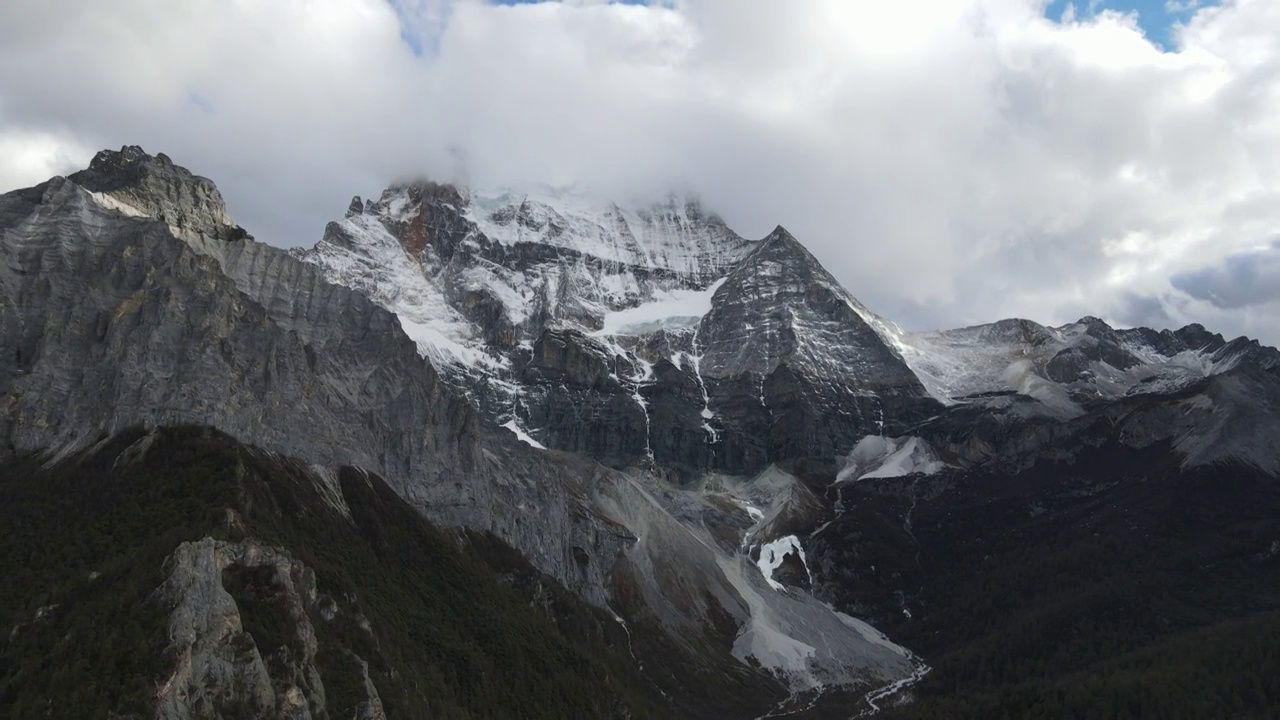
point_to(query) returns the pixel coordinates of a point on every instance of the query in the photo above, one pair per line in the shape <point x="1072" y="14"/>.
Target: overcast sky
<point x="950" y="161"/>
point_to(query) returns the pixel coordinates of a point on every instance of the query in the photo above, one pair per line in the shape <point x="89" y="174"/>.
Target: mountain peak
<point x="782" y="239"/>
<point x="1093" y="321"/>
<point x="153" y="186"/>
<point x="131" y="166"/>
<point x="128" y="156"/>
<point x="779" y="256"/>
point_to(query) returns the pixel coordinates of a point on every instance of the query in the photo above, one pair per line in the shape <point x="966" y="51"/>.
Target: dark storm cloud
<point x="1239" y="280"/>
<point x="1143" y="310"/>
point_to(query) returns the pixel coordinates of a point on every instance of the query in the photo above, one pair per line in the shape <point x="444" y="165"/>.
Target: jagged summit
<point x="1070" y="369"/>
<point x="154" y="186"/>
<point x="675" y="235"/>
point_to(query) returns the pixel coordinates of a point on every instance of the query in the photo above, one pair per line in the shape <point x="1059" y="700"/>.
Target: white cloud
<point x="31" y="157"/>
<point x="951" y="161"/>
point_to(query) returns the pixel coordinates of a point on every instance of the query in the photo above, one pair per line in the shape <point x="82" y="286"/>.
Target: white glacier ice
<point x="773" y="553"/>
<point x="524" y="436"/>
<point x="876" y="456"/>
<point x="668" y="310"/>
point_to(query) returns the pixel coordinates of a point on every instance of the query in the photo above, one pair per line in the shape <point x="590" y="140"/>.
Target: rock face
<point x="221" y="672"/>
<point x="509" y="295"/>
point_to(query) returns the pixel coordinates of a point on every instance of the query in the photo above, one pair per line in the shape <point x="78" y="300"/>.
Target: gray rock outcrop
<point x="220" y="671"/>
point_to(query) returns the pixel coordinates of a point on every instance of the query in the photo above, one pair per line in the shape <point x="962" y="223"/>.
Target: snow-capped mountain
<point x="658" y="335"/>
<point x="498" y="269"/>
<point x="719" y="459"/>
<point x="1072" y="367"/>
<point x="653" y="334"/>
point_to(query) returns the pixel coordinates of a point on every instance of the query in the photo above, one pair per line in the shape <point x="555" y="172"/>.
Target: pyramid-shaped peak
<point x="779" y="256"/>
<point x="781" y="241"/>
<point x="1093" y="321"/>
<point x="781" y="234"/>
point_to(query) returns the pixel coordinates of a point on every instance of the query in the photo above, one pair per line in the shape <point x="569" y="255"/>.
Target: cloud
<point x="1145" y="310"/>
<point x="31" y="157"/>
<point x="1238" y="281"/>
<point x="951" y="161"/>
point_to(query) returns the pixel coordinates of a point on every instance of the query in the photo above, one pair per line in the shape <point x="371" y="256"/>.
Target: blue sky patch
<point x="1156" y="17"/>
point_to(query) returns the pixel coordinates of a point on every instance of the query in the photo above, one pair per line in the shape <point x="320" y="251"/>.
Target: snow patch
<point x="523" y="436"/>
<point x="876" y="456"/>
<point x="773" y="553"/>
<point x="376" y="264"/>
<point x="110" y="202"/>
<point x="437" y="343"/>
<point x="914" y="457"/>
<point x="669" y="310"/>
<point x="766" y="635"/>
<point x="1022" y="378"/>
